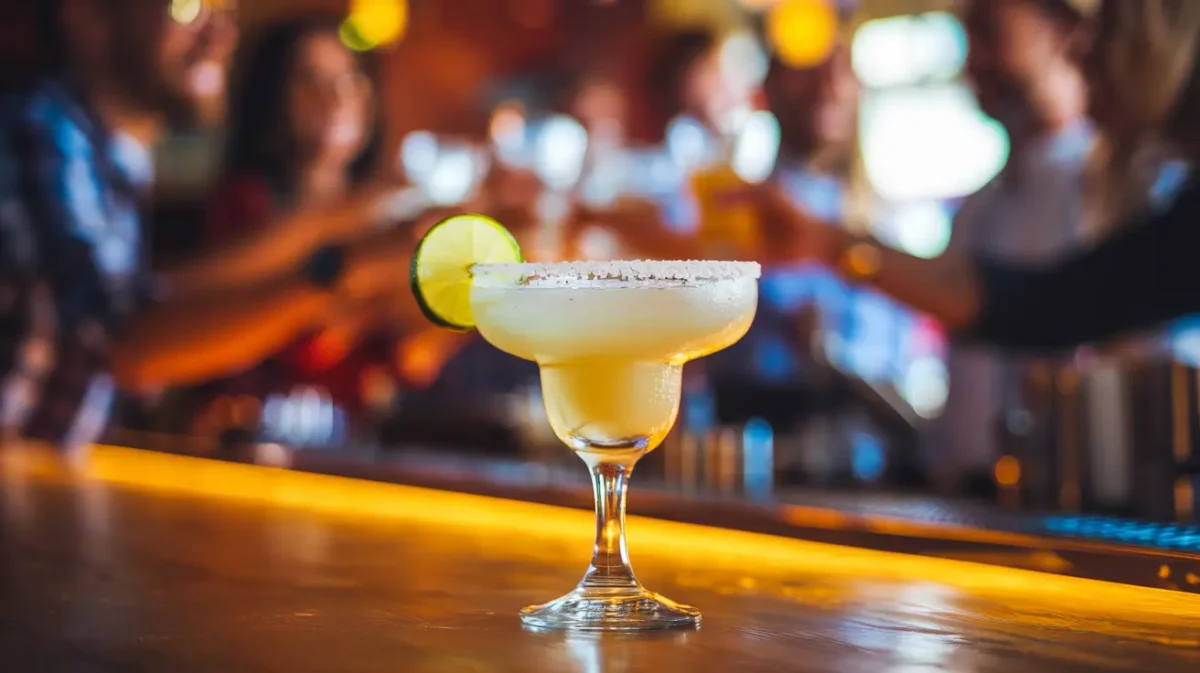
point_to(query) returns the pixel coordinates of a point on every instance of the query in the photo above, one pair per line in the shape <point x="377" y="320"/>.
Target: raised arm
<point x="191" y="338"/>
<point x="273" y="244"/>
<point x="1144" y="275"/>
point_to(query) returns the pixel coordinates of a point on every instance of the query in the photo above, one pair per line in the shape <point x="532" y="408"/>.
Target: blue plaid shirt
<point x="71" y="263"/>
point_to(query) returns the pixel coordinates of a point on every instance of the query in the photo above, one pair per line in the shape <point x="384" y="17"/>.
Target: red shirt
<point x="240" y="205"/>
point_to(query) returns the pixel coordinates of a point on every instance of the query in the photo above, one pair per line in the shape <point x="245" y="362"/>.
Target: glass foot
<point x="597" y="609"/>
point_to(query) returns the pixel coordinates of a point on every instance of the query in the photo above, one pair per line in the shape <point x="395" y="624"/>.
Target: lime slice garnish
<point x="440" y="273"/>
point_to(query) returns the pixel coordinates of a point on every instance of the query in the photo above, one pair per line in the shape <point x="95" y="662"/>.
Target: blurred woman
<point x="693" y="97"/>
<point x="305" y="135"/>
<point x="304" y="130"/>
<point x="1144" y="83"/>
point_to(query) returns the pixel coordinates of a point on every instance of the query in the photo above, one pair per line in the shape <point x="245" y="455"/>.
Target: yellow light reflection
<point x="349" y="35"/>
<point x="767" y="558"/>
<point x="375" y="23"/>
<point x="185" y="12"/>
<point x="1008" y="471"/>
<point x="802" y="32"/>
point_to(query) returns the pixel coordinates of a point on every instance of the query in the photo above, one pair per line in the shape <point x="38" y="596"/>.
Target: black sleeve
<point x="1146" y="274"/>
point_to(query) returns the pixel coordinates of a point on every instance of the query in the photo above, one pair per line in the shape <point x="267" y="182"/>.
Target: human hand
<point x="789" y="233"/>
<point x="377" y="265"/>
<point x="366" y="210"/>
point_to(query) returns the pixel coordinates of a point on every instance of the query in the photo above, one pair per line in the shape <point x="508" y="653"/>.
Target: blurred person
<point x="688" y="90"/>
<point x="685" y="80"/>
<point x="80" y="308"/>
<point x="304" y="128"/>
<point x="1020" y="64"/>
<point x="1022" y="69"/>
<point x="817" y="109"/>
<point x="304" y="134"/>
<point x="602" y="108"/>
<point x="702" y="109"/>
<point x="1143" y="82"/>
<point x="622" y="189"/>
<point x="187" y="154"/>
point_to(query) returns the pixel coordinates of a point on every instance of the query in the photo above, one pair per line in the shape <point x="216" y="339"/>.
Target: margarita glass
<point x="611" y="339"/>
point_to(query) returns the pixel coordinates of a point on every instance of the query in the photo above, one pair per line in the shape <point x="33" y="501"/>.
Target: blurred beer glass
<point x="729" y="227"/>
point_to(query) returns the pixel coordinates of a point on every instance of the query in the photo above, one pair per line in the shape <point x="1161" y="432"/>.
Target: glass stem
<point x="610" y="558"/>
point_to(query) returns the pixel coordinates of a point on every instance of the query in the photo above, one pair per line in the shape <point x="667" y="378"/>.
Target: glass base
<point x="625" y="609"/>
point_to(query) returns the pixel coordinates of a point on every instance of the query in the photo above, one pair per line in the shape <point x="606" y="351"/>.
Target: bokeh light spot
<point x="349" y="35"/>
<point x="185" y="12"/>
<point x="802" y="32"/>
<point x="374" y="23"/>
<point x="1007" y="471"/>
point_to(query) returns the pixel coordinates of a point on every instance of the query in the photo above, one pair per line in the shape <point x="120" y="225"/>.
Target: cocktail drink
<point x="611" y="340"/>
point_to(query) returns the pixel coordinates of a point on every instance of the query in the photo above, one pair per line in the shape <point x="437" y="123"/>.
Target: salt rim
<point x="629" y="271"/>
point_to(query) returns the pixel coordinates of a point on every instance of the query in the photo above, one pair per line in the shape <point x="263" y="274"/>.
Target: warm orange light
<point x="802" y="32"/>
<point x="1008" y="471"/>
<point x="374" y="23"/>
<point x="328" y="349"/>
<point x="420" y="358"/>
<point x="526" y="529"/>
<point x="1185" y="496"/>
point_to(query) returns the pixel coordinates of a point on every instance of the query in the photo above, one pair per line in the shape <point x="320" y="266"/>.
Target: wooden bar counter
<point x="138" y="562"/>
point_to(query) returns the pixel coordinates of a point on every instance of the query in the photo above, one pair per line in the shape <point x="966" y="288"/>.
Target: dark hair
<point x="674" y="57"/>
<point x="257" y="140"/>
<point x="47" y="16"/>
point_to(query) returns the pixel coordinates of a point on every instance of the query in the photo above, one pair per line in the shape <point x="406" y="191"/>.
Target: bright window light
<point x="929" y="143"/>
<point x="907" y="50"/>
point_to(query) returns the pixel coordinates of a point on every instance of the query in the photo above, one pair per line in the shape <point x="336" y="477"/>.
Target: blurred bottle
<point x="758" y="459"/>
<point x="683" y="451"/>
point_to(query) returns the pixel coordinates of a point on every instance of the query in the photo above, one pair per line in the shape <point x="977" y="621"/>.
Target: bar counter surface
<point x="144" y="562"/>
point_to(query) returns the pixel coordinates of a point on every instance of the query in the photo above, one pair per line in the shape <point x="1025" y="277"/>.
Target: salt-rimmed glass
<point x="610" y="340"/>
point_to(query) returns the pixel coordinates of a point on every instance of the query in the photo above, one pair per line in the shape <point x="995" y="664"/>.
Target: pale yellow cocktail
<point x="611" y="340"/>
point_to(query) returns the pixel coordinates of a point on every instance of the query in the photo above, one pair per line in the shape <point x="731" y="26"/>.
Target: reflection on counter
<point x="318" y="567"/>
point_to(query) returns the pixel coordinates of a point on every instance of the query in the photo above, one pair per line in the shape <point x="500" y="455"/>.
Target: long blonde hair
<point x="1146" y="54"/>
